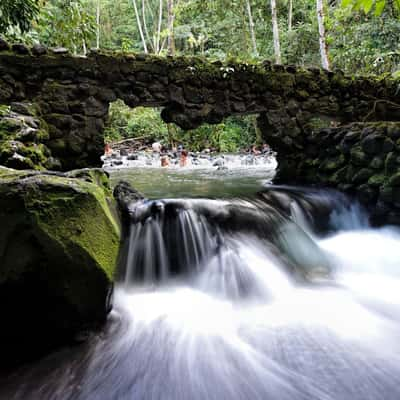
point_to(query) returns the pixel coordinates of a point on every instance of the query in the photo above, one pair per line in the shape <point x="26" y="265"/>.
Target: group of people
<point x="178" y="155"/>
<point x="265" y="149"/>
<point x="182" y="154"/>
<point x="177" y="152"/>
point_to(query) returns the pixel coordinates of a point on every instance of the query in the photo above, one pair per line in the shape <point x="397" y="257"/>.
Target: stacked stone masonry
<point x="73" y="94"/>
<point x="362" y="159"/>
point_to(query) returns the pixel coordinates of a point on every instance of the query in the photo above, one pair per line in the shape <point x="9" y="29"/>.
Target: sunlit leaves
<point x="347" y="3"/>
<point x="367" y="5"/>
<point x="380" y="5"/>
<point x="377" y="5"/>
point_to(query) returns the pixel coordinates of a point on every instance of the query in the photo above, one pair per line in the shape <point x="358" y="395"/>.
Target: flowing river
<point x="235" y="289"/>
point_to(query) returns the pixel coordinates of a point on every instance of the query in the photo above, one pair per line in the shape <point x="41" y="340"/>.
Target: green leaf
<point x="347" y="3"/>
<point x="380" y="5"/>
<point x="358" y="4"/>
<point x="367" y="5"/>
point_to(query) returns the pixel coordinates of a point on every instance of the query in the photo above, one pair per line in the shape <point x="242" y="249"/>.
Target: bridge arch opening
<point x="136" y="128"/>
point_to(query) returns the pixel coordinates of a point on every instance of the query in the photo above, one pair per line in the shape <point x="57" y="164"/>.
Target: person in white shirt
<point x="156" y="146"/>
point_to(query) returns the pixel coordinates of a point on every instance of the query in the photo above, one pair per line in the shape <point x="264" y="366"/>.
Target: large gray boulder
<point x="59" y="244"/>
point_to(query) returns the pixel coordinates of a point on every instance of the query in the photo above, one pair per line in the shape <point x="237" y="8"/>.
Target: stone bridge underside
<point x="73" y="96"/>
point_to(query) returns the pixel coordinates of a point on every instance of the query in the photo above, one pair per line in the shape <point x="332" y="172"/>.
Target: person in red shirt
<point x="107" y="150"/>
<point x="183" y="160"/>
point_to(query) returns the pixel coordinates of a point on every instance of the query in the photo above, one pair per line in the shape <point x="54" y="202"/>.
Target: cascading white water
<point x="233" y="311"/>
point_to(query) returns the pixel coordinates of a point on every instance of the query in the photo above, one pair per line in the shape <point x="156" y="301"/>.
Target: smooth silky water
<point x="285" y="295"/>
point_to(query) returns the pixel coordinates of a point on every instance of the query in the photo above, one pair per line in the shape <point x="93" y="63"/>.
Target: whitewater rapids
<point x="239" y="325"/>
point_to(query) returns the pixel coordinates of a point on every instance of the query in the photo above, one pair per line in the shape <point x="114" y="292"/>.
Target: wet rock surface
<point x="59" y="244"/>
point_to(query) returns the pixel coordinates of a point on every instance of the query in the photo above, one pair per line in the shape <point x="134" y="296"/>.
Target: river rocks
<point x="126" y="196"/>
<point x="59" y="245"/>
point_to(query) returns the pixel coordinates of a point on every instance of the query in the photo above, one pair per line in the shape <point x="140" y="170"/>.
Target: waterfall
<point x="170" y="238"/>
<point x="166" y="239"/>
<point x="289" y="295"/>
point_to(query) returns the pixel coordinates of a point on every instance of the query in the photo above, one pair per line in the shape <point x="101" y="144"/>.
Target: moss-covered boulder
<point x="59" y="245"/>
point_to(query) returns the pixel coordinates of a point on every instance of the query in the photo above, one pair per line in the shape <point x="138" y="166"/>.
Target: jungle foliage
<point x="231" y="135"/>
<point x="17" y="14"/>
<point x="362" y="35"/>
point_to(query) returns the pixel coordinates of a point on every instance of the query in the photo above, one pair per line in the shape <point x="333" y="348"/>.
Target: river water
<point x="157" y="183"/>
<point x="230" y="294"/>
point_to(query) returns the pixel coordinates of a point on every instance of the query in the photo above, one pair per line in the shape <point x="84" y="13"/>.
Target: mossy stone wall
<point x="73" y="94"/>
<point x="362" y="159"/>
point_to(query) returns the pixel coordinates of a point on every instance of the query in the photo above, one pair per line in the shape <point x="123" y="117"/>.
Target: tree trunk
<point x="171" y="17"/>
<point x="257" y="130"/>
<point x="245" y="45"/>
<point x="275" y="32"/>
<point x="251" y="27"/>
<point x="145" y="28"/>
<point x="171" y="135"/>
<point x="323" y="48"/>
<point x="160" y="12"/>
<point x="290" y="17"/>
<point x="139" y="24"/>
<point x="98" y="25"/>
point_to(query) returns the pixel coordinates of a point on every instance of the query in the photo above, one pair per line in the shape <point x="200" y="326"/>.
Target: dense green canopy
<point x="361" y="36"/>
<point x="17" y="13"/>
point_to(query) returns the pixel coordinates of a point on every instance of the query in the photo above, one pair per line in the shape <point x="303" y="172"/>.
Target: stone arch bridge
<point x="72" y="95"/>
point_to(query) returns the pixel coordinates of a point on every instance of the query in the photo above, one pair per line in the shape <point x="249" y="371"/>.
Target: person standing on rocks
<point x="107" y="150"/>
<point x="156" y="146"/>
<point x="265" y="148"/>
